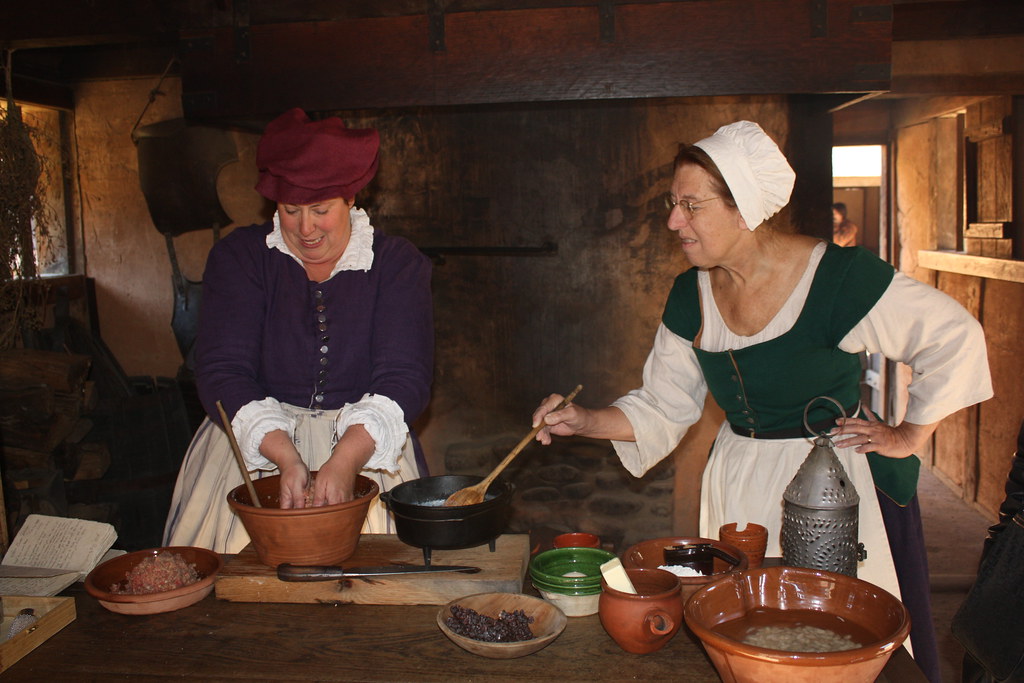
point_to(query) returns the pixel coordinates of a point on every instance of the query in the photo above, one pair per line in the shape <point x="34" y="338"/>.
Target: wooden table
<point x="216" y="640"/>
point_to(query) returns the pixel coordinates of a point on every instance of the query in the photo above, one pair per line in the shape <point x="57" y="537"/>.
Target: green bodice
<point x="765" y="387"/>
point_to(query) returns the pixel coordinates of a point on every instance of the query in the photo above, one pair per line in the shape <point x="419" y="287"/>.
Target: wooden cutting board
<point x="245" y="579"/>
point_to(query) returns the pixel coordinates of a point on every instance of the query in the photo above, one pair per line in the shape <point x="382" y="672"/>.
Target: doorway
<point x="856" y="191"/>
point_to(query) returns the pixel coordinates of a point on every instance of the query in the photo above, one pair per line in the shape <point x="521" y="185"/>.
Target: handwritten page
<point x="72" y="546"/>
<point x="42" y="587"/>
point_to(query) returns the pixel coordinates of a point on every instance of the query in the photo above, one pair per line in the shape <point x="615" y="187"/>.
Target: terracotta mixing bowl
<point x="114" y="571"/>
<point x="651" y="555"/>
<point x="313" y="535"/>
<point x="721" y="613"/>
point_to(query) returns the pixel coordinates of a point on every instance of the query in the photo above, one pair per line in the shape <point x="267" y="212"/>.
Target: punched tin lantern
<point x="820" y="512"/>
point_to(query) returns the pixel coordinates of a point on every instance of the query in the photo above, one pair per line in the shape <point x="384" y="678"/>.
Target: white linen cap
<point x="756" y="171"/>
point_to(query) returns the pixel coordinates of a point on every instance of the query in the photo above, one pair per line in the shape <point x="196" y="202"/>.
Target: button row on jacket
<point x="321" y="326"/>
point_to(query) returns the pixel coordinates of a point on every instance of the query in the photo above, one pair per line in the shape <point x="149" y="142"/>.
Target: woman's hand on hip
<point x="872" y="436"/>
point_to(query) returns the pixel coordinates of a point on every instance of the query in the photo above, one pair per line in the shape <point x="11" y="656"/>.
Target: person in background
<point x="316" y="335"/>
<point x="768" y="320"/>
<point x="844" y="231"/>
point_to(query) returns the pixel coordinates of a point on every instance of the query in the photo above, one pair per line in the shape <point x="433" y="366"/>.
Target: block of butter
<point x="616" y="577"/>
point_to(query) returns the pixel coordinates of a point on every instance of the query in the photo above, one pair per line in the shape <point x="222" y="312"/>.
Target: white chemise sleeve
<point x="942" y="343"/>
<point x="384" y="422"/>
<point x="255" y="420"/>
<point x="670" y="400"/>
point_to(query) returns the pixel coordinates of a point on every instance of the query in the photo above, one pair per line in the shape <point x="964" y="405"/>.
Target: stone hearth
<point x="575" y="484"/>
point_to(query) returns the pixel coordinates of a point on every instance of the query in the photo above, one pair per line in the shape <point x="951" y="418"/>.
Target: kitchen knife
<point x="297" y="572"/>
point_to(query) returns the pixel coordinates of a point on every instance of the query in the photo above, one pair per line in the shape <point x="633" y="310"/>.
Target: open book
<point x="51" y="553"/>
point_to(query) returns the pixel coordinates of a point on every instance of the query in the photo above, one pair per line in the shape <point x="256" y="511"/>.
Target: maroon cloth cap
<point x="302" y="161"/>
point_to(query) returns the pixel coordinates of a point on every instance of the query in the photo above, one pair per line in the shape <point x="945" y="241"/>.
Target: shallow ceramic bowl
<point x="650" y="555"/>
<point x="548" y="623"/>
<point x="115" y="570"/>
<point x="573" y="605"/>
<point x="322" y="535"/>
<point x="811" y="596"/>
<point x="570" y="578"/>
<point x="569" y="571"/>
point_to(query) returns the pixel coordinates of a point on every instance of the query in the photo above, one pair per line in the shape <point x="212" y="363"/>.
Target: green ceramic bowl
<point x="569" y="571"/>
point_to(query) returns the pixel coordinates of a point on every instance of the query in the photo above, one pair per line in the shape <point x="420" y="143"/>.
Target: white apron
<point x="753" y="492"/>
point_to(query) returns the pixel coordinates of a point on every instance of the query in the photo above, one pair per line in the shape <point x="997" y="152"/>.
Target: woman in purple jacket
<point x="316" y="335"/>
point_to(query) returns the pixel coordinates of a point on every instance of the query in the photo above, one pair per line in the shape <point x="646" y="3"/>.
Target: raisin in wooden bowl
<point x="544" y="620"/>
<point x="172" y="578"/>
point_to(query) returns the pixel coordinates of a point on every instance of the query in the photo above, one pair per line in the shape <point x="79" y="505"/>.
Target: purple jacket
<point x="259" y="331"/>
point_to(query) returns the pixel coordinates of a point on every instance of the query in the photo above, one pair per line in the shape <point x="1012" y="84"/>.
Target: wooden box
<point x="53" y="615"/>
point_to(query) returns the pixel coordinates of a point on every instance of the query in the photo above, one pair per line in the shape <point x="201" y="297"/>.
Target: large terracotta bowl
<point x="312" y="535"/>
<point x="721" y="612"/>
<point x="651" y="555"/>
<point x="113" y="573"/>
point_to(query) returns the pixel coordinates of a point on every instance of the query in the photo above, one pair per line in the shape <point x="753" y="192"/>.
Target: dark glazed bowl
<point x="423" y="521"/>
<point x="313" y="535"/>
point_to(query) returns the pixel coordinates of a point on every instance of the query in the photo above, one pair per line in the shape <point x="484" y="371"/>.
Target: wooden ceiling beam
<point x="595" y="51"/>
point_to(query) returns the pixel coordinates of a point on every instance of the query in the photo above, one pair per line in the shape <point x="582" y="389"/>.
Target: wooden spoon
<point x="238" y="456"/>
<point x="471" y="495"/>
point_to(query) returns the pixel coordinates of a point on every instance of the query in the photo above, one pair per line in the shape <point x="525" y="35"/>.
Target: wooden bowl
<point x="650" y="555"/>
<point x="548" y="623"/>
<point x="721" y="612"/>
<point x="114" y="571"/>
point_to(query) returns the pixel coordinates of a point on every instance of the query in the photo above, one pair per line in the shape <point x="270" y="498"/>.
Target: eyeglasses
<point x="690" y="208"/>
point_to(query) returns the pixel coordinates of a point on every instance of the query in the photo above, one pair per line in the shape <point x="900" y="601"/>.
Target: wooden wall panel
<point x="957" y="463"/>
<point x="989" y="169"/>
<point x="1000" y="418"/>
<point x="987" y="123"/>
<point x="917" y="178"/>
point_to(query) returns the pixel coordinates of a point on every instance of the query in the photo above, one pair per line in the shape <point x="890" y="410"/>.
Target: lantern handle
<point x="808" y="407"/>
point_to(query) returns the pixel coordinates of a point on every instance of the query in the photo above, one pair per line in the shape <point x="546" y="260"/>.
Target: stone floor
<point x="954" y="532"/>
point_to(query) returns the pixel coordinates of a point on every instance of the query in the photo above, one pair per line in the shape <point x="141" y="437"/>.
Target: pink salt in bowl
<point x="108" y="580"/>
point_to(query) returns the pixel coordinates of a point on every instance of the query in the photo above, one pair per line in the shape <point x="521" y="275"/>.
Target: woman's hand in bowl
<point x="336" y="478"/>
<point x="277" y="447"/>
<point x="294" y="481"/>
